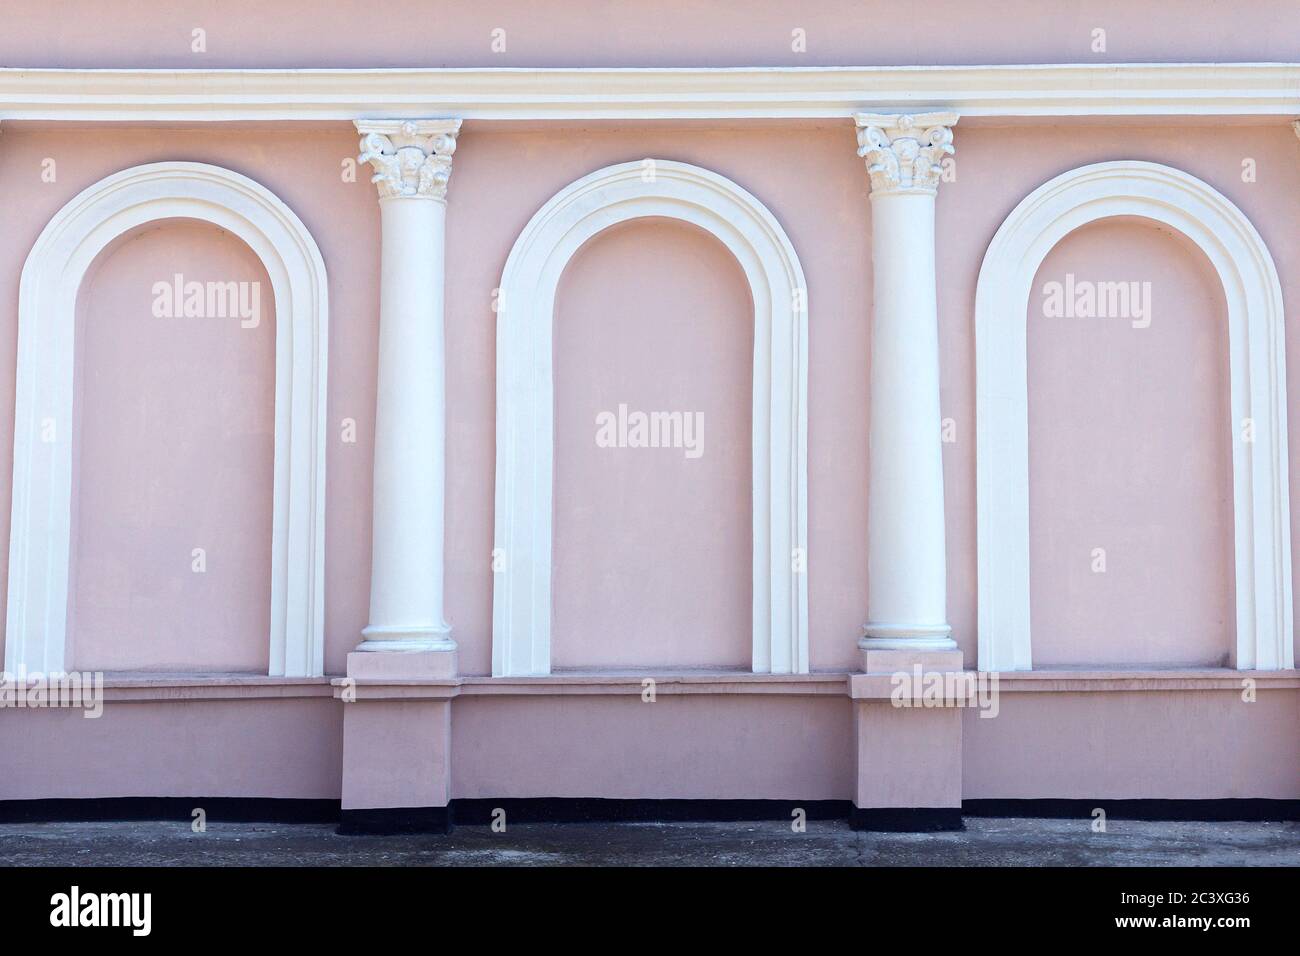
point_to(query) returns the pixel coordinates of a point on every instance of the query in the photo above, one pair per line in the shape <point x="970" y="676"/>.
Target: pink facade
<point x="1143" y="683"/>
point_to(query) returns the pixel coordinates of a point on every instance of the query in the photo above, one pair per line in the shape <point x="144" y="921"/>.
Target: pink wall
<point x="1130" y="456"/>
<point x="236" y="748"/>
<point x="502" y="177"/>
<point x="675" y="748"/>
<point x="514" y="173"/>
<point x="1164" y="745"/>
<point x="1103" y="745"/>
<point x="253" y="33"/>
<point x="653" y="545"/>
<point x="1175" y="606"/>
<point x="996" y="169"/>
<point x="174" y="452"/>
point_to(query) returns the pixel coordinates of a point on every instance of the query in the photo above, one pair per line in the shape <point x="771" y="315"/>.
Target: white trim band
<point x="1203" y="90"/>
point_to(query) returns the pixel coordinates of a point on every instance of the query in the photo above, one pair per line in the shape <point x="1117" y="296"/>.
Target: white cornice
<point x="1259" y="91"/>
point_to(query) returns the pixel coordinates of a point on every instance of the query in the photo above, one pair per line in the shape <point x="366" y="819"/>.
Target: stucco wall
<point x="350" y="33"/>
<point x="288" y="749"/>
<point x="173" y="447"/>
<point x="1129" y="450"/>
<point x="501" y="178"/>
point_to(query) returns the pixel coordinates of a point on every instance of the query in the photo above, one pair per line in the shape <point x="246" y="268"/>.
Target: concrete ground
<point x="986" y="842"/>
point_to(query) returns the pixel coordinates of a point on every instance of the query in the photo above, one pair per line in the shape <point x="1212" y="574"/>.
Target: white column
<point x="907" y="587"/>
<point x="412" y="165"/>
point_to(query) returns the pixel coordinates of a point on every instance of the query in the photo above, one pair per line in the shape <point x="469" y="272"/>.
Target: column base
<point x="406" y="639"/>
<point x="907" y="637"/>
<point x="397" y="750"/>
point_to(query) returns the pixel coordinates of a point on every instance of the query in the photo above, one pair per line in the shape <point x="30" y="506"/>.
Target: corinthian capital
<point x="904" y="152"/>
<point x="411" y="158"/>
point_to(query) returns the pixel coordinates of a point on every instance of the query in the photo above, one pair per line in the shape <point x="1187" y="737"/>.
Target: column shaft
<point x="907" y="585"/>
<point x="907" y="599"/>
<point x="406" y="582"/>
<point x="412" y="162"/>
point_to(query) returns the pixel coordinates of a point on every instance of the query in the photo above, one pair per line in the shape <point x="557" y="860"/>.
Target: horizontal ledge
<point x="591" y="684"/>
<point x="1144" y="679"/>
<point x="148" y="686"/>
<point x="858" y="686"/>
<point x="1247" y="90"/>
<point x="480" y="810"/>
<point x="665" y="682"/>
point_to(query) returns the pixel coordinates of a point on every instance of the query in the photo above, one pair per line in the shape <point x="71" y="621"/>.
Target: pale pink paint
<point x="415" y="33"/>
<point x="396" y="754"/>
<point x="1112" y="745"/>
<point x="825" y="211"/>
<point x="828" y="223"/>
<point x="173" y="451"/>
<point x="653" y="547"/>
<point x="238" y="748"/>
<point x="674" y="748"/>
<point x="1168" y="745"/>
<point x="1130" y="456"/>
<point x="1115" y="744"/>
<point x="304" y="169"/>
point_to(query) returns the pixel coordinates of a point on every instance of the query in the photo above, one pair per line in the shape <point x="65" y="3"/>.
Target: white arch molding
<point x="1258" y="385"/>
<point x="521" y="599"/>
<point x="39" y="547"/>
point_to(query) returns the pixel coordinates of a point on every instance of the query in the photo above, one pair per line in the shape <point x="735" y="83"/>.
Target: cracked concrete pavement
<point x="985" y="842"/>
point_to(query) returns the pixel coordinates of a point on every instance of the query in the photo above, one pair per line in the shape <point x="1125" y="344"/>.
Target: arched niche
<point x="521" y="607"/>
<point x="1253" y="295"/>
<point x="39" y="550"/>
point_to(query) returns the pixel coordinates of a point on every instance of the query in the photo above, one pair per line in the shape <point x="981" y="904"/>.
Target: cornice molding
<point x="1253" y="91"/>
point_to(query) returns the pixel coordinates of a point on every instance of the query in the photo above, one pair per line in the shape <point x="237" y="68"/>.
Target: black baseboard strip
<point x="383" y="821"/>
<point x="1208" y="811"/>
<point x="481" y="811"/>
<point x="223" y="809"/>
<point x="906" y="819"/>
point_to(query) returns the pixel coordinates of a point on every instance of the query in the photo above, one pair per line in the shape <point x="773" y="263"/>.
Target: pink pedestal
<point x="397" y="742"/>
<point x="909" y="753"/>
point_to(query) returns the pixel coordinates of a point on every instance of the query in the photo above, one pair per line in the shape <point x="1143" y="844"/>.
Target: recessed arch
<point x="1261" y="522"/>
<point x="521" y="599"/>
<point x="39" y="548"/>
